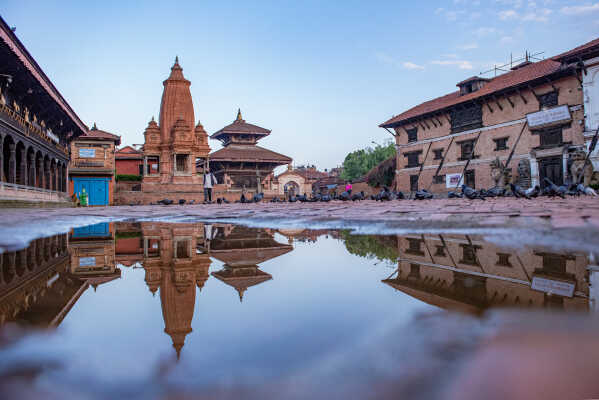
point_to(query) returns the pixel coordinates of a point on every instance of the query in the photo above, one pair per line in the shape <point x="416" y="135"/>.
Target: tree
<point x="359" y="162"/>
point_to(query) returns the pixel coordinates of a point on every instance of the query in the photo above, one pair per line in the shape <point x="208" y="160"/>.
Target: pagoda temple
<point x="173" y="145"/>
<point x="241" y="164"/>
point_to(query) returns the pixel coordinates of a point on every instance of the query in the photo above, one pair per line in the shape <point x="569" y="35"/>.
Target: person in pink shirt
<point x="348" y="187"/>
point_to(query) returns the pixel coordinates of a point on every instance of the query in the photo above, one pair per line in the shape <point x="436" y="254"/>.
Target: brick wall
<point x="128" y="167"/>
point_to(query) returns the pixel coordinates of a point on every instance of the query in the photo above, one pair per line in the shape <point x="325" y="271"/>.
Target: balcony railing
<point x="6" y="185"/>
<point x="89" y="164"/>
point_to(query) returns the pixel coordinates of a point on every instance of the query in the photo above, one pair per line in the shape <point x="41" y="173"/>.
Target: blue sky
<point x="321" y="75"/>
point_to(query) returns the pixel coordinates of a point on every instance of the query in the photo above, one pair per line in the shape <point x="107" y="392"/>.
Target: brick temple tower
<point x="173" y="145"/>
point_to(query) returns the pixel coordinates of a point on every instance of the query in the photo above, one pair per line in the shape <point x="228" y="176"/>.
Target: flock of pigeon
<point x="550" y="190"/>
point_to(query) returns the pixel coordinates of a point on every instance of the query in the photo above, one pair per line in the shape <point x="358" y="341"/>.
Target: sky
<point x="322" y="75"/>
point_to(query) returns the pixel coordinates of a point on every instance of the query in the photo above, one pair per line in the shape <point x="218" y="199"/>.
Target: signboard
<point x="52" y="136"/>
<point x="553" y="116"/>
<point x="452" y="180"/>
<point x="87" y="153"/>
<point x="561" y="288"/>
<point x="87" y="262"/>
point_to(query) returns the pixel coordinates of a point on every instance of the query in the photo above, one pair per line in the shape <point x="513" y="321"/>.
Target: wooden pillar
<point x="24" y="170"/>
<point x="40" y="172"/>
<point x="2" y="177"/>
<point x="46" y="174"/>
<point x="32" y="170"/>
<point x="12" y="163"/>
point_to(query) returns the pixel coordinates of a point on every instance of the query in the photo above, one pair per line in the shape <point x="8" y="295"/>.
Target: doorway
<point x="552" y="168"/>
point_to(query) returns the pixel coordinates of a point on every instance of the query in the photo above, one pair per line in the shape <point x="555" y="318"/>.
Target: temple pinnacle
<point x="94" y="128"/>
<point x="239" y="115"/>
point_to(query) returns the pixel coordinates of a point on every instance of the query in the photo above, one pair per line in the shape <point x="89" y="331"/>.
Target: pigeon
<point x="400" y="196"/>
<point x="553" y="190"/>
<point x="258" y="197"/>
<point x="302" y="198"/>
<point x="274" y="200"/>
<point x="423" y="195"/>
<point x="181" y="201"/>
<point x="519" y="192"/>
<point x="358" y="196"/>
<point x="471" y="193"/>
<point x="325" y="198"/>
<point x="534" y="191"/>
<point x="191" y="202"/>
<point x="455" y="195"/>
<point x="166" y="202"/>
<point x="292" y="199"/>
<point x="344" y="196"/>
<point x="496" y="192"/>
<point x="316" y="197"/>
<point x="243" y="199"/>
<point x="589" y="191"/>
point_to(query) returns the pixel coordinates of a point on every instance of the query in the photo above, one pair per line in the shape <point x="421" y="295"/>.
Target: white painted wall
<point x="590" y="85"/>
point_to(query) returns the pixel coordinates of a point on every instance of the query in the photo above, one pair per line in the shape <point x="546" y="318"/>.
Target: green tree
<point x="359" y="162"/>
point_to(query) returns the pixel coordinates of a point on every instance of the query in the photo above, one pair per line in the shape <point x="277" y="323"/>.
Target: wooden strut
<point x="469" y="158"/>
<point x="424" y="122"/>
<point x="392" y="134"/>
<point x="430" y="144"/>
<point x="441" y="163"/>
<point x="489" y="106"/>
<point x="522" y="96"/>
<point x="592" y="146"/>
<point x="507" y="162"/>
<point x="498" y="103"/>
<point x="509" y="100"/>
<point x="433" y="122"/>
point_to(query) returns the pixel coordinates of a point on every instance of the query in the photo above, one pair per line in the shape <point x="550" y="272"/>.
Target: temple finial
<point x="94" y="128"/>
<point x="239" y="115"/>
<point x="176" y="59"/>
<point x="152" y="118"/>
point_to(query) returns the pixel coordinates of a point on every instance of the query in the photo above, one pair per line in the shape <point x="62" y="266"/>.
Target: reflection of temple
<point x="172" y="264"/>
<point x="40" y="284"/>
<point x="241" y="249"/>
<point x="468" y="274"/>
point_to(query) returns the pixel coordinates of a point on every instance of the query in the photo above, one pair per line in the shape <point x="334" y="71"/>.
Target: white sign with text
<point x="452" y="180"/>
<point x="553" y="116"/>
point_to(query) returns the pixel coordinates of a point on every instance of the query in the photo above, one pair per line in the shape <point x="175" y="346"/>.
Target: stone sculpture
<point x="524" y="179"/>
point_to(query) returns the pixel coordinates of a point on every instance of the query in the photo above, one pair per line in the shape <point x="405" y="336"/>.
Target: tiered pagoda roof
<point x="96" y="134"/>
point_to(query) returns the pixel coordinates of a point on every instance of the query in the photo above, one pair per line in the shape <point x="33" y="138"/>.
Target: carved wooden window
<point x="153" y="163"/>
<point x="470" y="179"/>
<point x="467" y="148"/>
<point x="182" y="162"/>
<point x="551" y="137"/>
<point x="500" y="143"/>
<point x="414" y="246"/>
<point x="554" y="263"/>
<point x="413" y="158"/>
<point x="469" y="254"/>
<point x="440" y="252"/>
<point x="414" y="271"/>
<point x="548" y="100"/>
<point x="182" y="248"/>
<point x="439" y="179"/>
<point x="503" y="260"/>
<point x="466" y="117"/>
<point x="438" y="154"/>
<point x="414" y="183"/>
<point x="412" y="134"/>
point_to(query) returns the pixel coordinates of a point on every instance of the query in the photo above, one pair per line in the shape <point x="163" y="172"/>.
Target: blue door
<point x="96" y="230"/>
<point x="96" y="188"/>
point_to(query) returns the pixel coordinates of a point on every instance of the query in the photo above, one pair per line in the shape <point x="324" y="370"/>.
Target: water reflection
<point x="460" y="272"/>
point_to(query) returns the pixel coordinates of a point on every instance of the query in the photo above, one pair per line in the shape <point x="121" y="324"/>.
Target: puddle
<point x="157" y="309"/>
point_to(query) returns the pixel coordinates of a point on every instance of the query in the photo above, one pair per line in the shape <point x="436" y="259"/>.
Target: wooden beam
<point x="489" y="106"/>
<point x="424" y="122"/>
<point x="433" y="122"/>
<point x="439" y="121"/>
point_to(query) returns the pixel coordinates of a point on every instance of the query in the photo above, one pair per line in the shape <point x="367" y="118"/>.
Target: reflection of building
<point x="93" y="255"/>
<point x="172" y="264"/>
<point x="241" y="249"/>
<point x="468" y="274"/>
<point x="40" y="284"/>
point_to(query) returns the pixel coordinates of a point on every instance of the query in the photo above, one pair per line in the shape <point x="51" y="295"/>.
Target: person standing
<point x="348" y="187"/>
<point x="209" y="182"/>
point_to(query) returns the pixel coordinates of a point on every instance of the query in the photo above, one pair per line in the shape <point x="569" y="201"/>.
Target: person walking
<point x="209" y="182"/>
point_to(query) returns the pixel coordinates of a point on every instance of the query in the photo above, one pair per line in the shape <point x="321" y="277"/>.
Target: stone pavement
<point x="547" y="213"/>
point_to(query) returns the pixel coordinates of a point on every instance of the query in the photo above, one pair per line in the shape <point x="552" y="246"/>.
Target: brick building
<point x="537" y="107"/>
<point x="300" y="180"/>
<point x="92" y="166"/>
<point x="172" y="147"/>
<point x="129" y="161"/>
